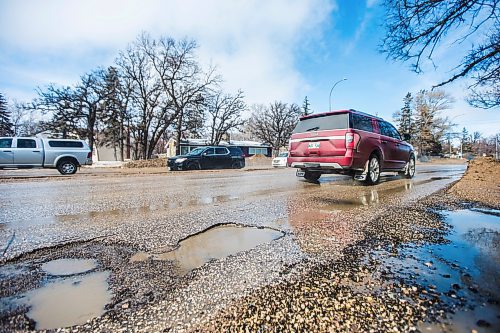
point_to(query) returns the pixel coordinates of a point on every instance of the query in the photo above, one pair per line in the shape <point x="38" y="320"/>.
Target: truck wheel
<point x="312" y="176"/>
<point x="373" y="175"/>
<point x="66" y="167"/>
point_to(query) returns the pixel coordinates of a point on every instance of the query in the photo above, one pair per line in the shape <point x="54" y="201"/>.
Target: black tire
<point x="67" y="167"/>
<point x="193" y="166"/>
<point x="312" y="176"/>
<point x="410" y="170"/>
<point x="373" y="174"/>
<point x="236" y="165"/>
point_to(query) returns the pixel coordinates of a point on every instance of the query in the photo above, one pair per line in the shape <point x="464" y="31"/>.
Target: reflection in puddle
<point x="215" y="243"/>
<point x="116" y="213"/>
<point x="467" y="262"/>
<point x="62" y="267"/>
<point x="68" y="302"/>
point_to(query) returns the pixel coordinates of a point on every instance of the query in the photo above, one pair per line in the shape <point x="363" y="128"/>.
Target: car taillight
<point x="89" y="155"/>
<point x="349" y="140"/>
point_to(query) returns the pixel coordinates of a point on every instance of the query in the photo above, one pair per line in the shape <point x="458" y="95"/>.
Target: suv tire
<point x="193" y="166"/>
<point x="373" y="174"/>
<point x="236" y="165"/>
<point x="410" y="169"/>
<point x="66" y="167"/>
<point x="312" y="176"/>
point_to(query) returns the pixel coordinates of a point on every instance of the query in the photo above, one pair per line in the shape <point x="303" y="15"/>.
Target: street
<point x="142" y="231"/>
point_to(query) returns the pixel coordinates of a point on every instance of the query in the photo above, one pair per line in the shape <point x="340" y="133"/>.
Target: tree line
<point x="431" y="132"/>
<point x="155" y="90"/>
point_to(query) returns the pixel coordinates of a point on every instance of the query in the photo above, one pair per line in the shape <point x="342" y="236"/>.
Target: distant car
<point x="280" y="160"/>
<point x="349" y="142"/>
<point x="212" y="157"/>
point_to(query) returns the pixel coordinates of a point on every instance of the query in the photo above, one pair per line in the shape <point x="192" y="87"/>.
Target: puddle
<point x="63" y="267"/>
<point x="217" y="243"/>
<point x="170" y="205"/>
<point x="466" y="264"/>
<point x="68" y="302"/>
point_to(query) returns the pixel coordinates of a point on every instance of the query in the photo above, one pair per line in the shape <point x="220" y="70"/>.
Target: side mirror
<point x="406" y="136"/>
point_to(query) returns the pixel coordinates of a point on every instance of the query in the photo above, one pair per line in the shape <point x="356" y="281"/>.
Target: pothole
<point x="64" y="267"/>
<point x="68" y="302"/>
<point x="214" y="243"/>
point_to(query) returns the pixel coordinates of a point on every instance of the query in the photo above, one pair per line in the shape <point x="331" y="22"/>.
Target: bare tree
<point x="416" y="28"/>
<point x="180" y="74"/>
<point x="224" y="113"/>
<point x="274" y="124"/>
<point x="430" y="126"/>
<point x="153" y="110"/>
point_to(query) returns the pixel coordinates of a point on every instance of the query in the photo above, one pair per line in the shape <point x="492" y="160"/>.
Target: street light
<point x="330" y="97"/>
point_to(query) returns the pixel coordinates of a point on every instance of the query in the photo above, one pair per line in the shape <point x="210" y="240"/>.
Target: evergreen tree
<point x="306" y="107"/>
<point x="5" y="123"/>
<point x="404" y="117"/>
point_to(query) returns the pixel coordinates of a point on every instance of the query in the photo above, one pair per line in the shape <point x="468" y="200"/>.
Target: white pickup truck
<point x="62" y="154"/>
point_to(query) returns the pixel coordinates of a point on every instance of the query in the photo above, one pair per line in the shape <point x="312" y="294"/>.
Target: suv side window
<point x="209" y="151"/>
<point x="5" y="143"/>
<point x="220" y="151"/>
<point x="26" y="143"/>
<point x="388" y="130"/>
<point x="362" y="123"/>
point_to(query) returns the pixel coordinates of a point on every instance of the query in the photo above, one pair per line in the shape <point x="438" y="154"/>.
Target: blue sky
<point x="273" y="50"/>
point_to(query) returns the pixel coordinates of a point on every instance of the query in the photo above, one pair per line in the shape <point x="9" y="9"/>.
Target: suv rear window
<point x="66" y="144"/>
<point x="362" y="122"/>
<point x="322" y="123"/>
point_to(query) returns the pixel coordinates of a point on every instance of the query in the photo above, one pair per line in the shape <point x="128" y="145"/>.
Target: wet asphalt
<point x="112" y="217"/>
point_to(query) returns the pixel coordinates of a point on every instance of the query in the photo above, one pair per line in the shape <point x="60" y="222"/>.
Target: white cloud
<point x="251" y="42"/>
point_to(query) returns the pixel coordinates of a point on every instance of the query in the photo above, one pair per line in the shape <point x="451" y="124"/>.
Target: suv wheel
<point x="373" y="175"/>
<point x="312" y="176"/>
<point x="193" y="166"/>
<point x="66" y="167"/>
<point x="236" y="165"/>
<point x="410" y="169"/>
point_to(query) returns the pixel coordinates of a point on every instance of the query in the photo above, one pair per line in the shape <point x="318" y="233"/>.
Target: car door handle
<point x="7" y="151"/>
<point x="36" y="151"/>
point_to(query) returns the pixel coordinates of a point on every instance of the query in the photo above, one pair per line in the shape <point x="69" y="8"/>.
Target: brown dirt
<point x="153" y="163"/>
<point x="481" y="182"/>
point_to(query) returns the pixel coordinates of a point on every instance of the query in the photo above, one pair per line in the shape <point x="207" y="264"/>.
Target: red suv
<point x="348" y="142"/>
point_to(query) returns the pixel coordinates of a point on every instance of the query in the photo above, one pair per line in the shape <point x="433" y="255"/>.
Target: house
<point x="249" y="148"/>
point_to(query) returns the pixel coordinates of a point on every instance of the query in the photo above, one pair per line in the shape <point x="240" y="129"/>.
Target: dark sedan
<point x="213" y="157"/>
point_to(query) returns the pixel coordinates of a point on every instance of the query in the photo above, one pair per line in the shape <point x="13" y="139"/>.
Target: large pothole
<point x="214" y="243"/>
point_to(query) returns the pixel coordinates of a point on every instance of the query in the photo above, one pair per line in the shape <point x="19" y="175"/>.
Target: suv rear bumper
<point x="323" y="163"/>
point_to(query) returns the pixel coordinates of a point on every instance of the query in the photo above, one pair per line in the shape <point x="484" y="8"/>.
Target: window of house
<point x="255" y="151"/>
<point x="26" y="143"/>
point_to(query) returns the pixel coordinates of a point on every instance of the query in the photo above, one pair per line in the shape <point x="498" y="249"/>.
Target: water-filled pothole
<point x="465" y="264"/>
<point x="68" y="302"/>
<point x="214" y="243"/>
<point x="63" y="267"/>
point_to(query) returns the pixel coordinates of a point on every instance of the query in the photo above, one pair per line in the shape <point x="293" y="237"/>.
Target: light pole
<point x="330" y="97"/>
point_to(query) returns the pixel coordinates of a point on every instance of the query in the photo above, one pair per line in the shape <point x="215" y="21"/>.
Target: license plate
<point x="314" y="145"/>
<point x="300" y="173"/>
